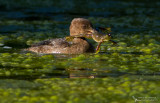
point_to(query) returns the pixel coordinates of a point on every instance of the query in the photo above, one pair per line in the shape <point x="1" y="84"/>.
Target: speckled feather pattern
<point x="60" y="45"/>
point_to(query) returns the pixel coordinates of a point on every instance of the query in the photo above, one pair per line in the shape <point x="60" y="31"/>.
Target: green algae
<point x="59" y="90"/>
<point x="124" y="73"/>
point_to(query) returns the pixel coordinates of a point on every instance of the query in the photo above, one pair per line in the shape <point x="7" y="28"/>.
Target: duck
<point x="78" y="45"/>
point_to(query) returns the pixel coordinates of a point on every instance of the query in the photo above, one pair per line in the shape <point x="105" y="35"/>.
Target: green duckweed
<point x="124" y="73"/>
<point x="71" y="90"/>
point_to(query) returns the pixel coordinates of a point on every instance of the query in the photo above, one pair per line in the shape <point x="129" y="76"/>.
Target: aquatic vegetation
<point x="122" y="73"/>
<point x="131" y="69"/>
<point x="78" y="90"/>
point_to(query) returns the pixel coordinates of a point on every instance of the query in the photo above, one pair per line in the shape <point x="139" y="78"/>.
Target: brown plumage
<point x="60" y="45"/>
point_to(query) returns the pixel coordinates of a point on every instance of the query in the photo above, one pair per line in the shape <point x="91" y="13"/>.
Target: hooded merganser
<point x="61" y="45"/>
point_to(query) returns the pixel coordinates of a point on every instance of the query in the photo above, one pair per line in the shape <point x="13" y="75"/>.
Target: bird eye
<point x="97" y="29"/>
